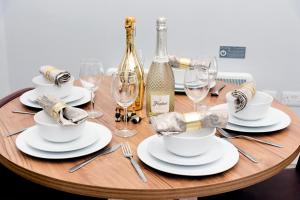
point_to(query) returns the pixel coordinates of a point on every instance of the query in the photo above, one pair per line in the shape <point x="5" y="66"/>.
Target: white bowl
<point x="255" y="109"/>
<point x="45" y="87"/>
<point x="50" y="130"/>
<point x="190" y="143"/>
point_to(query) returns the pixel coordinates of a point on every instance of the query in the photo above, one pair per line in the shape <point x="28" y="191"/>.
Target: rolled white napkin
<point x="61" y="112"/>
<point x="176" y="123"/>
<point x="54" y="75"/>
<point x="243" y="95"/>
<point x="177" y="62"/>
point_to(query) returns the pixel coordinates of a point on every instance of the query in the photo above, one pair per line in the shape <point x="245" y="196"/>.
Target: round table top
<point x="112" y="176"/>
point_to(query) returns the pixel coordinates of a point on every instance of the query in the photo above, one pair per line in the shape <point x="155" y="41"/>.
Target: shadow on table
<point x="284" y="186"/>
<point x="16" y="187"/>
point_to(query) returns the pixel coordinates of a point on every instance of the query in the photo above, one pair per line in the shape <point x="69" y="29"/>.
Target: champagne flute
<point x="91" y="72"/>
<point x="125" y="90"/>
<point x="196" y="83"/>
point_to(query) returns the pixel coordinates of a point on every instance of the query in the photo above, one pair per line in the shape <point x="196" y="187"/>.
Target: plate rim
<point x="194" y="164"/>
<point x="143" y="147"/>
<point x="85" y="99"/>
<point x="282" y="124"/>
<point x="98" y="145"/>
<point x="29" y="131"/>
<point x="74" y="88"/>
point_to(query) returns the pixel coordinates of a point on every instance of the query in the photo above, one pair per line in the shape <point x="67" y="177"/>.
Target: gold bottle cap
<point x="129" y="22"/>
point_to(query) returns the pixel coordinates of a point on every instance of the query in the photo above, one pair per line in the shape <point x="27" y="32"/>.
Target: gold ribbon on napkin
<point x="56" y="108"/>
<point x="176" y="123"/>
<point x="61" y="112"/>
<point x="54" y="75"/>
<point x="184" y="63"/>
<point x="243" y="95"/>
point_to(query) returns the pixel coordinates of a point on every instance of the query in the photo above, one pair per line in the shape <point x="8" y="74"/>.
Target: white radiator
<point x="236" y="78"/>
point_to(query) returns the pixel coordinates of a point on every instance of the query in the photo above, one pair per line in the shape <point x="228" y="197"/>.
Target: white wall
<point x="4" y="83"/>
<point x="61" y="32"/>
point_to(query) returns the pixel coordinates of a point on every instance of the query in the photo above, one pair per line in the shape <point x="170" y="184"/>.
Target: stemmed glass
<point x="196" y="83"/>
<point x="213" y="70"/>
<point x="125" y="90"/>
<point x="91" y="72"/>
<point x="210" y="62"/>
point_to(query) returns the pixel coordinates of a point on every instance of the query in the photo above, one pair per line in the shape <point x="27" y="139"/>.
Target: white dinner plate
<point x="90" y="135"/>
<point x="180" y="87"/>
<point x="105" y="138"/>
<point x="284" y="121"/>
<point x="227" y="161"/>
<point x="157" y="149"/>
<point x="25" y="99"/>
<point x="76" y="94"/>
<point x="272" y="117"/>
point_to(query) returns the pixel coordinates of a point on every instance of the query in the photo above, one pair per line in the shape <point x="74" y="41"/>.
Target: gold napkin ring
<point x="48" y="71"/>
<point x="192" y="121"/>
<point x="56" y="109"/>
<point x="184" y="62"/>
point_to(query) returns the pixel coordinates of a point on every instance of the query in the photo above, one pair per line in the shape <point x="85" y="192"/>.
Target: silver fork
<point x="232" y="136"/>
<point x="217" y="92"/>
<point x="128" y="154"/>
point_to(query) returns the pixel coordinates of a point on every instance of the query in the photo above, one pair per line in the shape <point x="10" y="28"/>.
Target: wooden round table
<point x="112" y="176"/>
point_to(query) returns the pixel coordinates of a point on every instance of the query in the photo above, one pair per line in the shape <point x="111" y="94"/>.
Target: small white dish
<point x="284" y="121"/>
<point x="105" y="138"/>
<point x="45" y="87"/>
<point x="25" y="98"/>
<point x="255" y="109"/>
<point x="227" y="161"/>
<point x="272" y="117"/>
<point x="192" y="143"/>
<point x="51" y="130"/>
<point x="157" y="149"/>
<point x="75" y="95"/>
<point x="34" y="139"/>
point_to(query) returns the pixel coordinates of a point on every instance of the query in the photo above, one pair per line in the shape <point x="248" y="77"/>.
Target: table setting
<point x="174" y="145"/>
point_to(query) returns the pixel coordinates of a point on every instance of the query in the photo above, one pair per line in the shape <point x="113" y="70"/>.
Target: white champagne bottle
<point x="160" y="79"/>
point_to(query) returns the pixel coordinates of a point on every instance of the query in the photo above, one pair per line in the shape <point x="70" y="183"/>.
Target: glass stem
<point x="125" y="110"/>
<point x="92" y="101"/>
<point x="195" y="106"/>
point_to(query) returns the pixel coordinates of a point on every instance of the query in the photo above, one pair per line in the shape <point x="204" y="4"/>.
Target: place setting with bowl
<point x="178" y="129"/>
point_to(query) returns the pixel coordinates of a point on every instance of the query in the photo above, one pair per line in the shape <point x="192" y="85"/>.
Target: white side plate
<point x="33" y="139"/>
<point x="228" y="160"/>
<point x="156" y="148"/>
<point x="25" y="98"/>
<point x="105" y="138"/>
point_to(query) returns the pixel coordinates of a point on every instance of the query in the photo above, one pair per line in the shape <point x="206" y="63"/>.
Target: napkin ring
<point x="56" y="109"/>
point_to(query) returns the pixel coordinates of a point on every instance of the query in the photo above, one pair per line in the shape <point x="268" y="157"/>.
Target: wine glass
<point x="213" y="71"/>
<point x="210" y="63"/>
<point x="90" y="75"/>
<point x="196" y="83"/>
<point x="125" y="89"/>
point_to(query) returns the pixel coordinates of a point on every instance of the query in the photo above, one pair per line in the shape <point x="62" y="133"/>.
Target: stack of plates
<point x="179" y="87"/>
<point x="274" y="120"/>
<point x="77" y="97"/>
<point x="221" y="157"/>
<point x="94" y="138"/>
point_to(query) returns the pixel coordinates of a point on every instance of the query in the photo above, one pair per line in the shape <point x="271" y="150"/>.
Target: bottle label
<point x="160" y="103"/>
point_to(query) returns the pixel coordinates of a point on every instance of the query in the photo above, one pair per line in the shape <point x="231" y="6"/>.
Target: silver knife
<point x="244" y="153"/>
<point x="103" y="152"/>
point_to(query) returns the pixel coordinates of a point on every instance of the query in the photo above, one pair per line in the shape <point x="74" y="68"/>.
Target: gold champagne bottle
<point x="131" y="62"/>
<point x="160" y="79"/>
